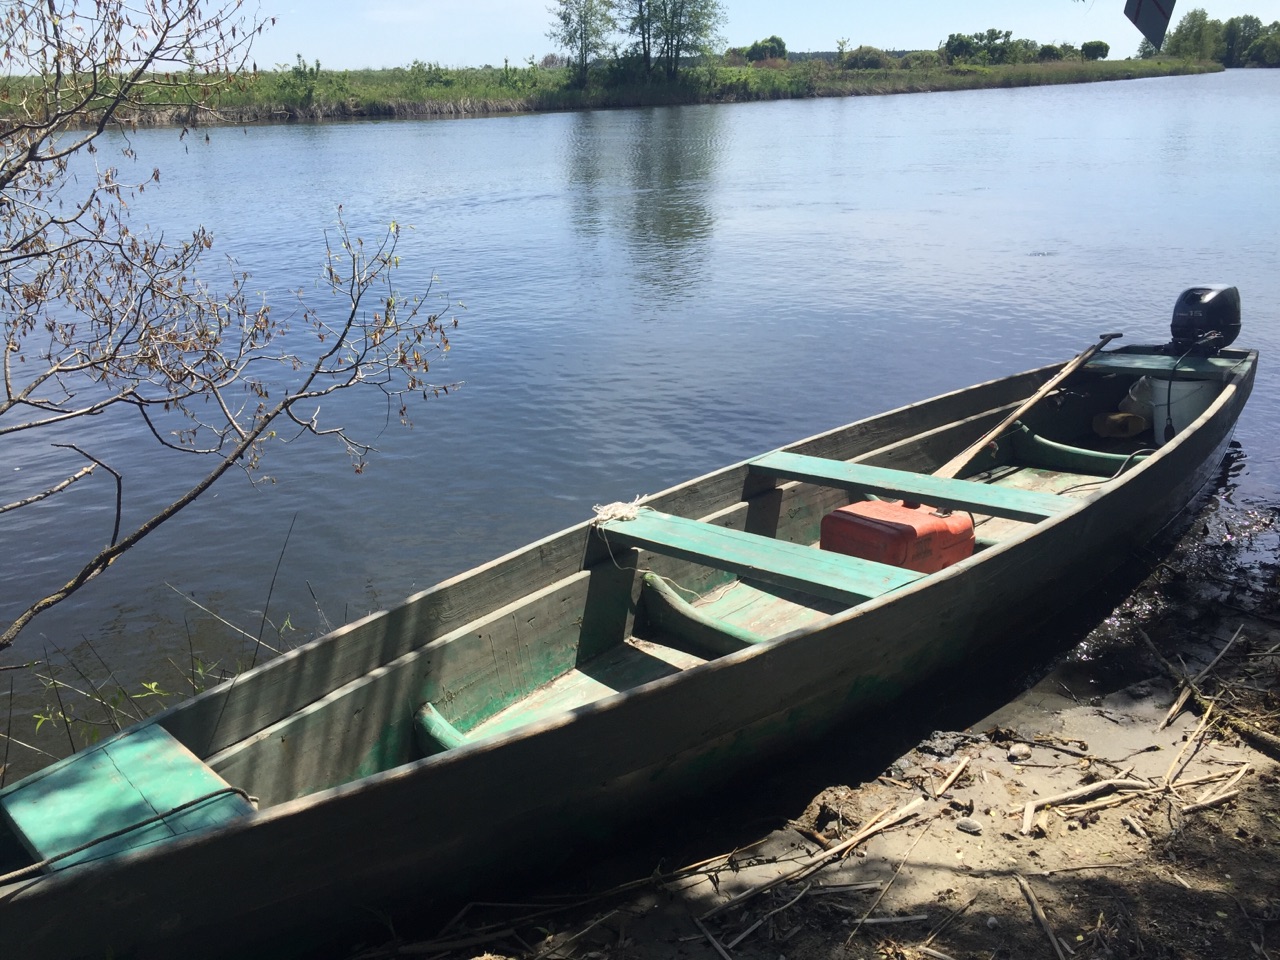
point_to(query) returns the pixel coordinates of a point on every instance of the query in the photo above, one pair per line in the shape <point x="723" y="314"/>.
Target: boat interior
<point x="663" y="592"/>
<point x="716" y="566"/>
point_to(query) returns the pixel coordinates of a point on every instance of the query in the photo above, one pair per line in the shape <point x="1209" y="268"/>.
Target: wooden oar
<point x="961" y="460"/>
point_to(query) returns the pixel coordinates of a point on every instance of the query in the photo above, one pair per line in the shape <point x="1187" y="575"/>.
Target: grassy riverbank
<point x="307" y="92"/>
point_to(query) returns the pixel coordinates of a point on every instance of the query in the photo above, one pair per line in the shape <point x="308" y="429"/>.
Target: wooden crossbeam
<point x="1159" y="365"/>
<point x="945" y="492"/>
<point x="821" y="573"/>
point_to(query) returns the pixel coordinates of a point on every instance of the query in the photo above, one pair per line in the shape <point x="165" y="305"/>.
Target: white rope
<point x="617" y="511"/>
<point x="620" y="510"/>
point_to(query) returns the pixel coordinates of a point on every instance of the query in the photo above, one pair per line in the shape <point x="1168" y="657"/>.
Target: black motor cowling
<point x="1205" y="319"/>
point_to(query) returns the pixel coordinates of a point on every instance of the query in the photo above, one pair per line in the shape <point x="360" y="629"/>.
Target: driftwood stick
<point x="872" y="921"/>
<point x="1038" y="912"/>
<point x="557" y="947"/>
<point x="1260" y="740"/>
<point x="1079" y="793"/>
<point x="1199" y="677"/>
<point x="879" y="825"/>
<point x="936" y="954"/>
<point x="953" y="777"/>
<point x="747" y="932"/>
<point x="1215" y="802"/>
<point x="817" y="861"/>
<point x="1205" y="778"/>
<point x="1136" y="827"/>
<point x="1223" y="788"/>
<point x="1179" y="763"/>
<point x="1179" y="702"/>
<point x="1076" y="809"/>
<point x="1082" y="866"/>
<point x="1173" y="672"/>
<point x="1267" y="743"/>
<point x="845" y="888"/>
<point x="719" y="948"/>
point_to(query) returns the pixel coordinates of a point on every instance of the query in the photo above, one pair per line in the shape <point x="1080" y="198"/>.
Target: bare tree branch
<point x="99" y="318"/>
<point x="56" y="488"/>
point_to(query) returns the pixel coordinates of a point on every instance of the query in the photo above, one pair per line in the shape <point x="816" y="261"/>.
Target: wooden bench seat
<point x="952" y="494"/>
<point x="1165" y="367"/>
<point x="142" y="779"/>
<point x="820" y="573"/>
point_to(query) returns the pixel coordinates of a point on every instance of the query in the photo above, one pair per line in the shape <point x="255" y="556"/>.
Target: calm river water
<point x="652" y="294"/>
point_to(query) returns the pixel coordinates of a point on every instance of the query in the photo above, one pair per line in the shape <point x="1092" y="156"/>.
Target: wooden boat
<point x="549" y="692"/>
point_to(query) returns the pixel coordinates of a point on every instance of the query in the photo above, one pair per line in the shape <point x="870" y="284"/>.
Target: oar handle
<point x="957" y="463"/>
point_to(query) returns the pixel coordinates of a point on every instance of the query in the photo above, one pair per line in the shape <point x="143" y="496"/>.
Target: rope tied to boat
<point x="618" y="510"/>
<point x="623" y="511"/>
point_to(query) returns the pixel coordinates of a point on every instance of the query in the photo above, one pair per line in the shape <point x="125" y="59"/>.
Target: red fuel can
<point x="910" y="536"/>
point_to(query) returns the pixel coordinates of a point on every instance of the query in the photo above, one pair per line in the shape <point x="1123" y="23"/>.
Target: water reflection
<point x="672" y="159"/>
<point x="648" y="176"/>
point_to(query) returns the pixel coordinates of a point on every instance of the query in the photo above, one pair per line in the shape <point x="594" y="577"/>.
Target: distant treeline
<point x="1239" y="42"/>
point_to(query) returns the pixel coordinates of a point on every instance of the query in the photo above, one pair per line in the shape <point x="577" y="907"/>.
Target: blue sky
<point x="349" y="34"/>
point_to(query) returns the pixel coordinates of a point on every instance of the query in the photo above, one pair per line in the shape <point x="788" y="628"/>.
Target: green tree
<point x="869" y="58"/>
<point x="922" y="60"/>
<point x="770" y="48"/>
<point x="959" y="48"/>
<point x="1048" y="53"/>
<point x="1265" y="51"/>
<point x="992" y="46"/>
<point x="1238" y="34"/>
<point x="102" y="320"/>
<point x="685" y="27"/>
<point x="1095" y="50"/>
<point x="1022" y="51"/>
<point x="995" y="45"/>
<point x="582" y="27"/>
<point x="1147" y="50"/>
<point x="638" y="19"/>
<point x="1196" y="37"/>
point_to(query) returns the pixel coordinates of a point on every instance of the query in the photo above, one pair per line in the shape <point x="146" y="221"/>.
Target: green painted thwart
<point x="821" y="573"/>
<point x="121" y="782"/>
<point x="1174" y="368"/>
<point x="935" y="491"/>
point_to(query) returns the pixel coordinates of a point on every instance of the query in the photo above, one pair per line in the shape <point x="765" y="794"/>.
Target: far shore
<point x="304" y="94"/>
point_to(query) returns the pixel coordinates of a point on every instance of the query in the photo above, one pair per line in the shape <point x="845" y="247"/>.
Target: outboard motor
<point x="1205" y="319"/>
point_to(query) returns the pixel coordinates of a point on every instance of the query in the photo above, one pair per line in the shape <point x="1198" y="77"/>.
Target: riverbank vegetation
<point x="309" y="92"/>
<point x="630" y="53"/>
<point x="637" y="53"/>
